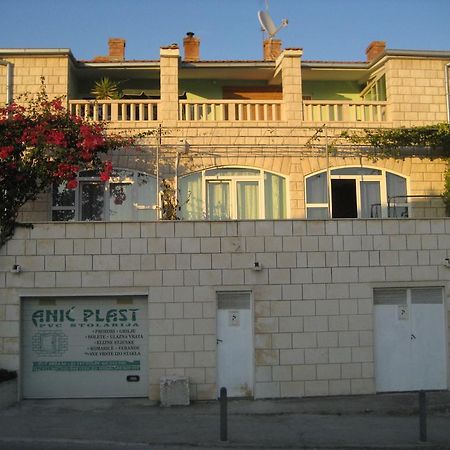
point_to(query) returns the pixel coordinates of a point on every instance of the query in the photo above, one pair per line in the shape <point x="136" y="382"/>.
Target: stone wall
<point x="27" y="73"/>
<point x="312" y="301"/>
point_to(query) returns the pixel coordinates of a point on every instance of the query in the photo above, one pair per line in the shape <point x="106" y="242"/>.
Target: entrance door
<point x="234" y="344"/>
<point x="410" y="345"/>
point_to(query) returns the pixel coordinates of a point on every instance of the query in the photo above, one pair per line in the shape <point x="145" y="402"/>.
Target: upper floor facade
<point x="243" y="139"/>
<point x="389" y="88"/>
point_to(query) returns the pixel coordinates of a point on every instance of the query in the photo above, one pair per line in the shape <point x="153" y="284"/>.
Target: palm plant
<point x="106" y="89"/>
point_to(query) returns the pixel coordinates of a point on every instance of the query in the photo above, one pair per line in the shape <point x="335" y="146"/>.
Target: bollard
<point x="223" y="414"/>
<point x="423" y="416"/>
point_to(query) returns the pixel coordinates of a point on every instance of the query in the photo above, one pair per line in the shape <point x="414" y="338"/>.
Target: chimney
<point x="116" y="49"/>
<point x="375" y="49"/>
<point x="272" y="49"/>
<point x="191" y="47"/>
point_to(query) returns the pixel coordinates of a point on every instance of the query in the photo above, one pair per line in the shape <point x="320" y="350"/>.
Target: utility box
<point x="174" y="391"/>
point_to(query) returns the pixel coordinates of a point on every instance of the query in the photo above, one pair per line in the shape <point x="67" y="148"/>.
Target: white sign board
<point x="84" y="347"/>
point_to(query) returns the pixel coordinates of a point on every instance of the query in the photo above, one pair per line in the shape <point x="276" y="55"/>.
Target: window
<point x="233" y="193"/>
<point x="128" y="195"/>
<point x="356" y="192"/>
<point x="375" y="89"/>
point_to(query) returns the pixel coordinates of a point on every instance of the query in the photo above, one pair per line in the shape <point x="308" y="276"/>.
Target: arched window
<point x="353" y="192"/>
<point x="128" y="195"/>
<point x="233" y="193"/>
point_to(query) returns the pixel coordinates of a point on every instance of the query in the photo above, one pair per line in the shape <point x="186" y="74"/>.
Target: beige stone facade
<point x="312" y="304"/>
<point x="312" y="301"/>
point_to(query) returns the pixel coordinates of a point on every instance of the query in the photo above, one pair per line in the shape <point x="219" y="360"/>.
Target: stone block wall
<point x="27" y="72"/>
<point x="416" y="91"/>
<point x="312" y="301"/>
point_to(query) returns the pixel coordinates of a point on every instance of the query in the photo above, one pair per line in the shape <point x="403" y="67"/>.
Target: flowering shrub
<point x="40" y="144"/>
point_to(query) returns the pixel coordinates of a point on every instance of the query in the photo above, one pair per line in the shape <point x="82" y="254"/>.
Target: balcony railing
<point x="116" y="110"/>
<point x="230" y="110"/>
<point x="343" y="111"/>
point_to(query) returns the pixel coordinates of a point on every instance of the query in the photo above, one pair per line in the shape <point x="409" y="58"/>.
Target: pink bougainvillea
<point x="42" y="143"/>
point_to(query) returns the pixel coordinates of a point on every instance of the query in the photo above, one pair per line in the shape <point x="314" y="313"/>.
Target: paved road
<point x="367" y="422"/>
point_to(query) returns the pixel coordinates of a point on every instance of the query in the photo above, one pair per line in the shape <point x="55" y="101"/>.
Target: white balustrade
<point x="116" y="110"/>
<point x="343" y="111"/>
<point x="230" y="110"/>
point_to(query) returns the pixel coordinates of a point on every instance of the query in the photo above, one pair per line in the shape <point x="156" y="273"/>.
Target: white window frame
<point x="233" y="181"/>
<point x="127" y="179"/>
<point x="358" y="179"/>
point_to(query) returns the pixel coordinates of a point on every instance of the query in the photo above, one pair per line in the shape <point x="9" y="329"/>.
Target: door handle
<point x="218" y="340"/>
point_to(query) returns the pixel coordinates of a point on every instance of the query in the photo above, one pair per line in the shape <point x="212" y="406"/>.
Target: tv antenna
<point x="267" y="23"/>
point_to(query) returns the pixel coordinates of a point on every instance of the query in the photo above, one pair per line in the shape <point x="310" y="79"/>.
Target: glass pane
<point x="316" y="188"/>
<point x="63" y="215"/>
<point x="381" y="88"/>
<point x="63" y="196"/>
<point x="317" y="213"/>
<point x="370" y="199"/>
<point x="396" y="186"/>
<point x="275" y="196"/>
<point x="233" y="171"/>
<point x="120" y="202"/>
<point x="355" y="171"/>
<point x="247" y="200"/>
<point x="89" y="174"/>
<point x="145" y="194"/>
<point x="218" y="200"/>
<point x="92" y="200"/>
<point x="191" y="201"/>
<point x="396" y="192"/>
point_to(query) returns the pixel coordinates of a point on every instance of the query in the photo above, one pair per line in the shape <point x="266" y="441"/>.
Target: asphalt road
<point x="368" y="422"/>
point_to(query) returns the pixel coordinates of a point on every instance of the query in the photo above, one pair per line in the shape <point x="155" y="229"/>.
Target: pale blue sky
<point x="229" y="29"/>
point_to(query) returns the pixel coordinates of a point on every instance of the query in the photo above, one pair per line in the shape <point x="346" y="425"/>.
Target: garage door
<point x="410" y="339"/>
<point x="84" y="347"/>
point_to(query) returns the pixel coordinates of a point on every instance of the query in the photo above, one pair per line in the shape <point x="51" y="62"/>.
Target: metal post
<point x="223" y="414"/>
<point x="158" y="188"/>
<point x="423" y="416"/>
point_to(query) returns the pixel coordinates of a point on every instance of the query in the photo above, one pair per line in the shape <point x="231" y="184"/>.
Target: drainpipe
<point x="447" y="89"/>
<point x="9" y="67"/>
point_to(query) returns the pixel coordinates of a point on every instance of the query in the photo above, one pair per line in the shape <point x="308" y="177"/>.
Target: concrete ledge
<point x="8" y="393"/>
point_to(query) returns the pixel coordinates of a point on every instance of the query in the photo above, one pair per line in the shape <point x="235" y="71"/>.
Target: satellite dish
<point x="267" y="24"/>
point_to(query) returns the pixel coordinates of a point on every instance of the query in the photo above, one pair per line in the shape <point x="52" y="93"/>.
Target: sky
<point x="337" y="30"/>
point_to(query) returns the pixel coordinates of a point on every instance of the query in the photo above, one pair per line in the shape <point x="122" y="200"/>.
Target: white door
<point x="410" y="345"/>
<point x="234" y="344"/>
<point x="84" y="347"/>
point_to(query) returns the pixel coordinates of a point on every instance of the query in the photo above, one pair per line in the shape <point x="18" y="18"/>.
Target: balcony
<point x="231" y="110"/>
<point x="116" y="110"/>
<point x="343" y="111"/>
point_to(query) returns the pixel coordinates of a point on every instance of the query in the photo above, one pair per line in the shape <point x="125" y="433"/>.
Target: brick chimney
<point x="191" y="47"/>
<point x="375" y="49"/>
<point x="116" y="49"/>
<point x="272" y="49"/>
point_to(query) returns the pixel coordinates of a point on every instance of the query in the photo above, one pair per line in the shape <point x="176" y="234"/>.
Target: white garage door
<point x="410" y="339"/>
<point x="84" y="347"/>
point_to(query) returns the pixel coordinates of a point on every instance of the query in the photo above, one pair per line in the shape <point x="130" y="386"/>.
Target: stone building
<point x="301" y="266"/>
